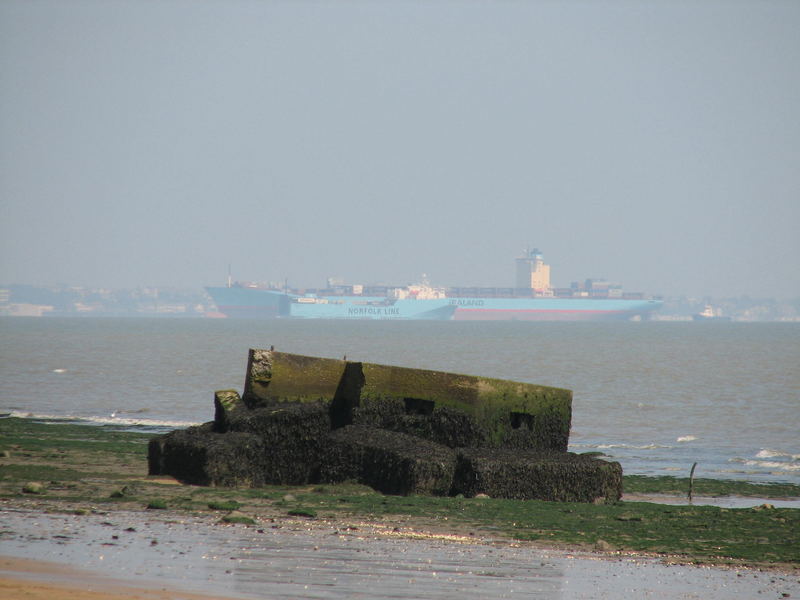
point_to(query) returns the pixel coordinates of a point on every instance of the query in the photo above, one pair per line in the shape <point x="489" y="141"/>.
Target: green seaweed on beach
<point x="645" y="527"/>
<point x="38" y="436"/>
<point x="302" y="512"/>
<point x="764" y="536"/>
<point x="224" y="505"/>
<point x="639" y="484"/>
<point x="43" y="473"/>
<point x="237" y="518"/>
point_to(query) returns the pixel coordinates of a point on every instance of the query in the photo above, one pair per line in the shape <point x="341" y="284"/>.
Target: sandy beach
<point x="155" y="555"/>
<point x="38" y="580"/>
<point x="90" y="534"/>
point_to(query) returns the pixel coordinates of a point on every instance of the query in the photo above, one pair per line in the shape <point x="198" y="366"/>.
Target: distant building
<point x="533" y="273"/>
<point x="26" y="310"/>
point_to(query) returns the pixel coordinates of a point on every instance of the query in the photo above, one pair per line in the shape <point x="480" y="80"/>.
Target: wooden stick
<point x="691" y="481"/>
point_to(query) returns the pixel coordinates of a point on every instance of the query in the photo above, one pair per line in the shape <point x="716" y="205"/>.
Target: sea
<point x="655" y="396"/>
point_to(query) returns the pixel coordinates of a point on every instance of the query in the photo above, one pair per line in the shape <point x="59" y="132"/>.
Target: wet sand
<point x="36" y="580"/>
<point x="720" y="501"/>
<point x="40" y="580"/>
<point x="157" y="554"/>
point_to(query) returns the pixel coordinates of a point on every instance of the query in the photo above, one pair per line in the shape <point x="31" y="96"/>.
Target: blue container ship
<point x="533" y="299"/>
<point x="252" y="302"/>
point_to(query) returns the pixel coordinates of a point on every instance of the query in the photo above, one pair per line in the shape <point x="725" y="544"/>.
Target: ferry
<point x="709" y="313"/>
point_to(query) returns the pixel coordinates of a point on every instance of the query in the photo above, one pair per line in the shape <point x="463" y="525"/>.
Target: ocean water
<point x="655" y="396"/>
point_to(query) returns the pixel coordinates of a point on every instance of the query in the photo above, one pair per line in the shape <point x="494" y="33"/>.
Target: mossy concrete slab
<point x="499" y="405"/>
<point x="225" y="403"/>
<point x="542" y="414"/>
<point x="282" y="377"/>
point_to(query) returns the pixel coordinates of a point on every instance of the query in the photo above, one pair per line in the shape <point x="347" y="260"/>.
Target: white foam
<point x="59" y="370"/>
<point x="767" y="453"/>
<point x="128" y="422"/>
<point x="629" y="446"/>
<point x="686" y="438"/>
<point x="103" y="420"/>
<point x="766" y="464"/>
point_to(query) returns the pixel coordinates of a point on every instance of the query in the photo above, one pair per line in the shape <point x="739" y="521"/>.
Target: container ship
<point x="532" y="299"/>
<point x="343" y="302"/>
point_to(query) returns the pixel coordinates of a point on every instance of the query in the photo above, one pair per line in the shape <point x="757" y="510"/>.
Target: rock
<point x="33" y="487"/>
<point x="238" y="517"/>
<point x="603" y="546"/>
<point x="532" y="475"/>
<point x="387" y="461"/>
<point x="200" y="456"/>
<point x="293" y="437"/>
<point x="125" y="491"/>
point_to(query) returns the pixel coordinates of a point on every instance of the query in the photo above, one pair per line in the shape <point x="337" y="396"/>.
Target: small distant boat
<point x="710" y="314"/>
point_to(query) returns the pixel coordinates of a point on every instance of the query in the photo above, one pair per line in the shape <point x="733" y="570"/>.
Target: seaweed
<point x="201" y="456"/>
<point x="532" y="475"/>
<point x="390" y="462"/>
<point x="293" y="436"/>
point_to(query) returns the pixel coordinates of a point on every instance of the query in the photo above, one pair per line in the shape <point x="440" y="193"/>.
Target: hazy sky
<point x="656" y="144"/>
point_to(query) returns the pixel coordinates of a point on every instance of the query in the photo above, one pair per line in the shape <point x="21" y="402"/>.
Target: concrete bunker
<point x="303" y="419"/>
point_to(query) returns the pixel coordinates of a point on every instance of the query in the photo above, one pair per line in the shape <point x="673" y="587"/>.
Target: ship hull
<point x="375" y="309"/>
<point x="705" y="318"/>
<point x="551" y="309"/>
<point x="266" y="304"/>
<point x="249" y="303"/>
<point x="254" y="303"/>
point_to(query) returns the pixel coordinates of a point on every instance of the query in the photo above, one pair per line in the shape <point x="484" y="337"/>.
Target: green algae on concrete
<point x="512" y="413"/>
<point x="282" y="377"/>
<point x="225" y="402"/>
<point x="296" y="412"/>
<point x="500" y="406"/>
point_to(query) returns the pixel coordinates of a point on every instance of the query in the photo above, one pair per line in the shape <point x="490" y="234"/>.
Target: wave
<point x="767" y="453"/>
<point x="686" y="438"/>
<point x="122" y="422"/>
<point x="629" y="446"/>
<point x="766" y="464"/>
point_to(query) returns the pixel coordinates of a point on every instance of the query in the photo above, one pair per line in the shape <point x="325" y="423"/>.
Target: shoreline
<point x="79" y="495"/>
<point x="238" y="560"/>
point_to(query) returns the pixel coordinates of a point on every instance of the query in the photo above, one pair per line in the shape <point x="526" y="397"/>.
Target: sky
<point x="652" y="143"/>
